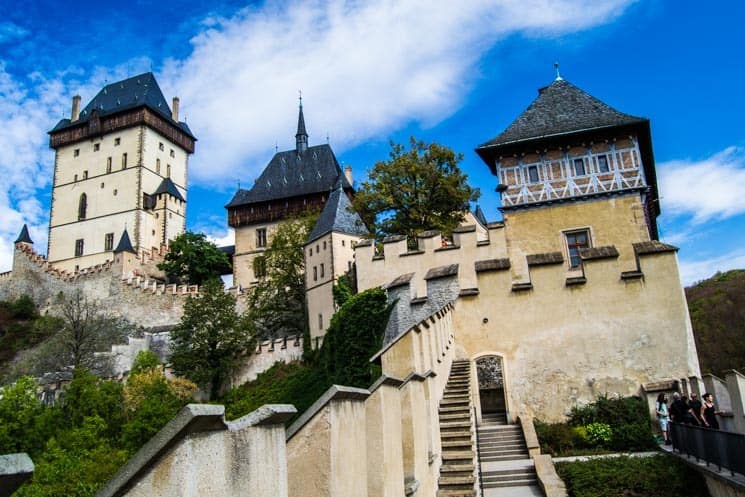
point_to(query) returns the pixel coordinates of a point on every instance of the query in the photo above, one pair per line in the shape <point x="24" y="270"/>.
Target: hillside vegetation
<point x="717" y="307"/>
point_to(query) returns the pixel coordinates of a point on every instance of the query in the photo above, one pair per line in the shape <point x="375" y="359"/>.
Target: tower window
<point x="96" y="147"/>
<point x="324" y="245"/>
<point x="579" y="167"/>
<point x="315" y="273"/>
<point x="261" y="237"/>
<point x="157" y="166"/>
<point x="75" y="178"/>
<point x="108" y="164"/>
<point x="342" y="243"/>
<point x="323" y="272"/>
<point x="603" y="163"/>
<point x="124" y="161"/>
<point x="76" y="152"/>
<point x="160" y="146"/>
<point x="85" y="174"/>
<point x="320" y="321"/>
<point x="108" y="243"/>
<point x="173" y="154"/>
<point x="79" y="247"/>
<point x="82" y="206"/>
<point x="576" y="241"/>
<point x="259" y="267"/>
<point x="117" y="142"/>
<point x="168" y="170"/>
<point x="533" y="174"/>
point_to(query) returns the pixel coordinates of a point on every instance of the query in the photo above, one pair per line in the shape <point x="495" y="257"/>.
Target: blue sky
<point x="384" y="70"/>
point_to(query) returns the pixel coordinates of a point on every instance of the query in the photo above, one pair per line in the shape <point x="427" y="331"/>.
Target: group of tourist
<point x="687" y="411"/>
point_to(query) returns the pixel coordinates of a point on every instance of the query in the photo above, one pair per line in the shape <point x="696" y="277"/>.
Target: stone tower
<point x="120" y="163"/>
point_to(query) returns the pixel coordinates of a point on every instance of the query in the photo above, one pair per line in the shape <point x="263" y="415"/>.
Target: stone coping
<point x="632" y="275"/>
<point x="465" y="229"/>
<point x="335" y="392"/>
<point x="495" y="225"/>
<point x="193" y="418"/>
<point x="394" y="238"/>
<point x="468" y="292"/>
<point x="385" y="380"/>
<point x="401" y="280"/>
<point x="491" y="265"/>
<point x="414" y="376"/>
<point x="428" y="234"/>
<point x="363" y="243"/>
<point x="545" y="259"/>
<point x="597" y="253"/>
<point x="441" y="272"/>
<point x="575" y="280"/>
<point x="661" y="386"/>
<point x="549" y="480"/>
<point x="15" y="469"/>
<point x="653" y="247"/>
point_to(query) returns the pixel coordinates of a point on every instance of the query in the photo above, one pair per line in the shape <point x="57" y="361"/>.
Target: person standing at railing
<point x="663" y="416"/>
<point x="709" y="412"/>
<point x="679" y="411"/>
<point x="696" y="409"/>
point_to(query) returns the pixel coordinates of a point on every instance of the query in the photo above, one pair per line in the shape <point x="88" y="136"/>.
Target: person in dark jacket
<point x="679" y="410"/>
<point x="709" y="412"/>
<point x="695" y="405"/>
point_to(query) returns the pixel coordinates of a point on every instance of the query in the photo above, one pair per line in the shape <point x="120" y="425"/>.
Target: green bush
<point x="599" y="434"/>
<point x="628" y="418"/>
<point x="658" y="476"/>
<point x="23" y="308"/>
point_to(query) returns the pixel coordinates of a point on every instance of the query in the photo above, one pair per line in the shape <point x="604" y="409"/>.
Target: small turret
<point x="125" y="244"/>
<point x="24" y="237"/>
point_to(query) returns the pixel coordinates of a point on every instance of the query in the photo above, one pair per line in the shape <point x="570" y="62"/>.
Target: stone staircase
<point x="456" y="433"/>
<point x="506" y="466"/>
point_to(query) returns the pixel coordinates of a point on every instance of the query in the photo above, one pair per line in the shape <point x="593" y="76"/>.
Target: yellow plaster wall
<point x="309" y="458"/>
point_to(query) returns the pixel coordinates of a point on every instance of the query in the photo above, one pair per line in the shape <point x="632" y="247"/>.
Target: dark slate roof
<point x="337" y="216"/>
<point x="301" y="123"/>
<point x="479" y="215"/>
<point x="167" y="186"/>
<point x="125" y="244"/>
<point x="127" y="94"/>
<point x="292" y="174"/>
<point x="24" y="236"/>
<point x="561" y="108"/>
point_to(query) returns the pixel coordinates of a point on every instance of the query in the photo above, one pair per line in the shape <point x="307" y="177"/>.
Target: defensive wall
<point x="564" y="336"/>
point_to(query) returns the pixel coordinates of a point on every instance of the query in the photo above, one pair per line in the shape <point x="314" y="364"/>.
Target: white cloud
<point x="711" y="188"/>
<point x="692" y="271"/>
<point x="366" y="68"/>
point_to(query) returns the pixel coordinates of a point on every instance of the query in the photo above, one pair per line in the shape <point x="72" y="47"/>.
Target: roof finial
<point x="327" y="137"/>
<point x="276" y="146"/>
<point x="300" y="97"/>
<point x="558" y="76"/>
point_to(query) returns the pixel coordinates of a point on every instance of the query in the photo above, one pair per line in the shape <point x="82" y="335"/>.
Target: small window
<point x="108" y="164"/>
<point x="79" y="247"/>
<point x="310" y="251"/>
<point x="318" y="248"/>
<point x="153" y="232"/>
<point x="576" y="241"/>
<point x="259" y="266"/>
<point x="76" y="152"/>
<point x="324" y="245"/>
<point x="173" y="154"/>
<point x="342" y="243"/>
<point x="323" y="272"/>
<point x="124" y="161"/>
<point x="85" y="174"/>
<point x="157" y="166"/>
<point x="168" y="170"/>
<point x="533" y="174"/>
<point x="102" y="185"/>
<point x="579" y="167"/>
<point x="320" y="321"/>
<point x="349" y="265"/>
<point x="160" y="146"/>
<point x="108" y="243"/>
<point x="117" y="142"/>
<point x="82" y="206"/>
<point x="75" y="178"/>
<point x="603" y="163"/>
<point x="261" y="237"/>
<point x="315" y="273"/>
<point x="96" y="147"/>
<point x="115" y="191"/>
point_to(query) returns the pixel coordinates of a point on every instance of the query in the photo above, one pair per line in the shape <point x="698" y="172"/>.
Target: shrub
<point x="599" y="434"/>
<point x="659" y="476"/>
<point x="555" y="438"/>
<point x="627" y="417"/>
<point x="23" y="308"/>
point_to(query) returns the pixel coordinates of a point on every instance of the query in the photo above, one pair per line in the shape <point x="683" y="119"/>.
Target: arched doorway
<point x="490" y="373"/>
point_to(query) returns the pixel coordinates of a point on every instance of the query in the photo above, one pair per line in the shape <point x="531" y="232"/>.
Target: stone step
<point x="512" y="483"/>
<point x="457" y="480"/>
<point x="455" y="426"/>
<point x="525" y="471"/>
<point x="455" y="409"/>
<point x="516" y="446"/>
<point x="503" y="457"/>
<point x="456" y="468"/>
<point x="456" y="493"/>
<point x="456" y="444"/>
<point x="508" y="478"/>
<point x="458" y="415"/>
<point x="456" y="434"/>
<point x="458" y="401"/>
<point x="457" y="455"/>
<point x="506" y="438"/>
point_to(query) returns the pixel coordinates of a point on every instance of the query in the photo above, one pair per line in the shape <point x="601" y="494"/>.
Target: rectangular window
<point x="78" y="247"/>
<point x="124" y="161"/>
<point x="160" y="146"/>
<point x="324" y="245"/>
<point x="108" y="243"/>
<point x="260" y="267"/>
<point x="117" y="142"/>
<point x="533" y="174"/>
<point x="157" y="166"/>
<point x="261" y="237"/>
<point x="603" y="164"/>
<point x="579" y="167"/>
<point x="315" y="273"/>
<point x="173" y="154"/>
<point x="76" y="152"/>
<point x="576" y="241"/>
<point x="85" y="174"/>
<point x="168" y="170"/>
<point x="96" y="147"/>
<point x="108" y="164"/>
<point x="323" y="272"/>
<point x="320" y="321"/>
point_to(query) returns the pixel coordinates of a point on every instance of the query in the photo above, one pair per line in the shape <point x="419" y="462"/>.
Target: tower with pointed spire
<point x="294" y="183"/>
<point x="119" y="161"/>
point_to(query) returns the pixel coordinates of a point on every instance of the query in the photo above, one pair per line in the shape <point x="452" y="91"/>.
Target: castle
<point x="571" y="295"/>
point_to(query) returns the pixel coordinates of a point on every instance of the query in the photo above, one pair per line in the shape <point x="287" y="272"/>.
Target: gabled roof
<point x="130" y="93"/>
<point x="23" y="236"/>
<point x="167" y="186"/>
<point x="561" y="108"/>
<point x="125" y="244"/>
<point x="292" y="173"/>
<point x="338" y="216"/>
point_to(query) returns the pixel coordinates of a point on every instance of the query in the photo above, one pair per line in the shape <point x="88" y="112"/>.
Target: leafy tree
<point x="418" y="189"/>
<point x="343" y="289"/>
<point x="277" y="302"/>
<point x="144" y="360"/>
<point x="193" y="259"/>
<point x="24" y="422"/>
<point x="207" y="344"/>
<point x="354" y="335"/>
<point x="88" y="396"/>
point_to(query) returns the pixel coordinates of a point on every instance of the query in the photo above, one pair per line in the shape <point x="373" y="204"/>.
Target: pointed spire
<point x="125" y="244"/>
<point x="24" y="237"/>
<point x="301" y="138"/>
<point x="558" y="76"/>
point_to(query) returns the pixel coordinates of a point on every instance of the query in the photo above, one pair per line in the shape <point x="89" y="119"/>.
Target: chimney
<point x="75" y="108"/>
<point x="174" y="107"/>
<point x="348" y="174"/>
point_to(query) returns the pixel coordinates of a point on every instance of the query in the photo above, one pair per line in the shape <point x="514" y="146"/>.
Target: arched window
<point x="82" y="206"/>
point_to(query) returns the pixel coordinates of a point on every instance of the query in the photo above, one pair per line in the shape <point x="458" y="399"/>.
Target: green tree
<point x="25" y="423"/>
<point x="88" y="396"/>
<point x="418" y="189"/>
<point x="193" y="259"/>
<point x="206" y="346"/>
<point x="277" y="302"/>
